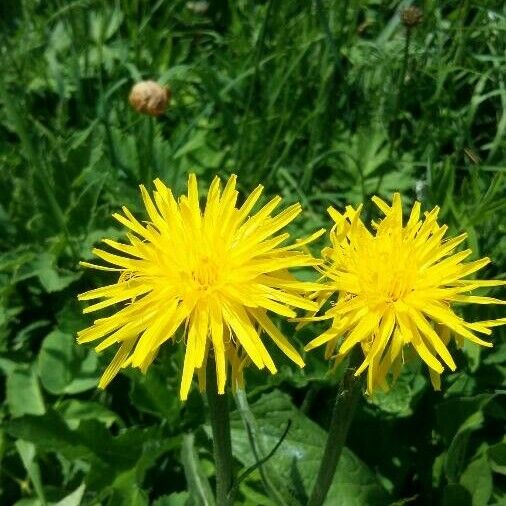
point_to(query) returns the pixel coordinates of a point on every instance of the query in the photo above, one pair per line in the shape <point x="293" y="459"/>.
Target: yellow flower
<point x="396" y="290"/>
<point x="217" y="271"/>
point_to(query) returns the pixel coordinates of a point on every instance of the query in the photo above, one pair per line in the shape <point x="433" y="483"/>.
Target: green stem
<point x="149" y="147"/>
<point x="222" y="445"/>
<point x="347" y="397"/>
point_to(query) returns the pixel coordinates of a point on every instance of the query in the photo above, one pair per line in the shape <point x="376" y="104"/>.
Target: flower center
<point x="397" y="286"/>
<point x="389" y="271"/>
<point x="205" y="274"/>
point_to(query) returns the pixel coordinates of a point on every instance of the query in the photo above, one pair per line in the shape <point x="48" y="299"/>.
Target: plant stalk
<point x="222" y="445"/>
<point x="345" y="403"/>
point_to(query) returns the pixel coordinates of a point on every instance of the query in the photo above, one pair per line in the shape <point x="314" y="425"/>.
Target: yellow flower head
<point x="396" y="289"/>
<point x="217" y="271"/>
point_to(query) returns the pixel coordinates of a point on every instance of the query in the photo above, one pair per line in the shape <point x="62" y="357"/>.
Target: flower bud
<point x="199" y="7"/>
<point x="149" y="97"/>
<point x="411" y="16"/>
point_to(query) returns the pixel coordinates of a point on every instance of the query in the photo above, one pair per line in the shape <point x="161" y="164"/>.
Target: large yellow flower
<point x="218" y="271"/>
<point x="396" y="287"/>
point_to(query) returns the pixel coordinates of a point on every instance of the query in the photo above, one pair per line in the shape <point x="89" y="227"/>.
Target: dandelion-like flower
<point x="396" y="287"/>
<point x="218" y="271"/>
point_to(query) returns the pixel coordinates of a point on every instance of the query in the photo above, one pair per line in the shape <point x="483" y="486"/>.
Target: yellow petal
<point x="116" y="363"/>
<point x="281" y="342"/>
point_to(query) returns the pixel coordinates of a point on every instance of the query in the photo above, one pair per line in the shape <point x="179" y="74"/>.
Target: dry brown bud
<point x="411" y="16"/>
<point x="149" y="97"/>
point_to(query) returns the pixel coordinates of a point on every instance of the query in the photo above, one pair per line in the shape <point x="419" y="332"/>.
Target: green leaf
<point x="91" y="439"/>
<point x="126" y="491"/>
<point x="74" y="498"/>
<point x="453" y="413"/>
<point x="175" y="499"/>
<point x="255" y="497"/>
<point x="49" y="432"/>
<point x="52" y="278"/>
<point x="452" y="416"/>
<point x="108" y="455"/>
<point x="28" y="501"/>
<point x="197" y="141"/>
<point x="456" y="495"/>
<point x="497" y="457"/>
<point x="400" y="398"/>
<point x="23" y="392"/>
<point x="74" y="411"/>
<point x="27" y="453"/>
<point x="456" y="454"/>
<point x="64" y="367"/>
<point x="477" y="479"/>
<point x="151" y="393"/>
<point x="297" y="459"/>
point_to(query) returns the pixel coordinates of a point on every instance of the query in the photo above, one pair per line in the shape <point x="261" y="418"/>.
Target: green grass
<point x="323" y="102"/>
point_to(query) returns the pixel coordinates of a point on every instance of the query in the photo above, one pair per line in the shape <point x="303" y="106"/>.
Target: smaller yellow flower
<point x="215" y="272"/>
<point x="396" y="289"/>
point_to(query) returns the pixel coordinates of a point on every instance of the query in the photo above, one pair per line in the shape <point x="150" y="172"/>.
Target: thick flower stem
<point x="345" y="403"/>
<point x="220" y="426"/>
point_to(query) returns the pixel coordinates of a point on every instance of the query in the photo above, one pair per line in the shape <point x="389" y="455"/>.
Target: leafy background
<point x="324" y="102"/>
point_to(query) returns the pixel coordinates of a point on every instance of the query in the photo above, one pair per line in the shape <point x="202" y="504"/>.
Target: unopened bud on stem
<point x="149" y="97"/>
<point x="411" y="16"/>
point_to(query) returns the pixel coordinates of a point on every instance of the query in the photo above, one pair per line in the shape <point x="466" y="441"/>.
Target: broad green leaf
<point x="74" y="411"/>
<point x="400" y="399"/>
<point x="497" y="457"/>
<point x="297" y="459"/>
<point x="456" y="495"/>
<point x="64" y="367"/>
<point x="52" y="278"/>
<point x="477" y="479"/>
<point x="23" y="392"/>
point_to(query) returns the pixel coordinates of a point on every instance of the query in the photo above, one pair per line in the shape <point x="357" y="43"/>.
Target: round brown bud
<point x="149" y="97"/>
<point x="411" y="16"/>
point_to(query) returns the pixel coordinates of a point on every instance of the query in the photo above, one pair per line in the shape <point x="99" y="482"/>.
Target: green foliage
<point x="64" y="368"/>
<point x="292" y="470"/>
<point x="324" y="102"/>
